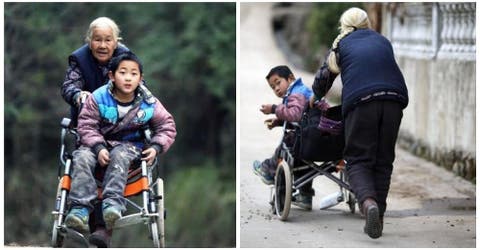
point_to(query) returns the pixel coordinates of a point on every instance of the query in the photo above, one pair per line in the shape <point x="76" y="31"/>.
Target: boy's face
<point x="127" y="77"/>
<point x="102" y="44"/>
<point x="279" y="84"/>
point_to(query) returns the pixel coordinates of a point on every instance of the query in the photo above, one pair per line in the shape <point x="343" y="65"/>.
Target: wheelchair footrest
<point x="133" y="219"/>
<point x="130" y="219"/>
<point x="75" y="239"/>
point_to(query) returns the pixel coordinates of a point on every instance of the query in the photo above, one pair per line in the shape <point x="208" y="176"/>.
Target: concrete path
<point x="428" y="206"/>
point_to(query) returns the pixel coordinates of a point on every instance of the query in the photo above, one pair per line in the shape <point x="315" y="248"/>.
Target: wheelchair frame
<point x="150" y="212"/>
<point x="284" y="186"/>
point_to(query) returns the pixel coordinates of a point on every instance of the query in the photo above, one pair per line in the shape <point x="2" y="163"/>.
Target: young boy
<point x="109" y="126"/>
<point x="295" y="96"/>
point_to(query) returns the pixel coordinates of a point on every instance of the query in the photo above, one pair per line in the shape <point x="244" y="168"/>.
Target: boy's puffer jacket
<point x="294" y="102"/>
<point x="99" y="126"/>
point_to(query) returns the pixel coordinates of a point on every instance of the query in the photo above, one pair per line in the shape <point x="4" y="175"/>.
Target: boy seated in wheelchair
<point x="295" y="96"/>
<point x="110" y="125"/>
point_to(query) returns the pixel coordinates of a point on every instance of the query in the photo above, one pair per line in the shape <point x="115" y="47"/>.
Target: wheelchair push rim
<point x="283" y="190"/>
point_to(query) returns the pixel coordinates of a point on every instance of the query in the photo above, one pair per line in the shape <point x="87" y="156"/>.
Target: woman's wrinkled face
<point x="103" y="44"/>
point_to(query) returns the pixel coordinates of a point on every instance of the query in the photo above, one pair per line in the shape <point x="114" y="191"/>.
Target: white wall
<point x="434" y="45"/>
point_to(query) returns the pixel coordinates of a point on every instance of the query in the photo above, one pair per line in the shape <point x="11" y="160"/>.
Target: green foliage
<point x="203" y="201"/>
<point x="322" y="26"/>
<point x="188" y="52"/>
<point x="200" y="205"/>
<point x="323" y="22"/>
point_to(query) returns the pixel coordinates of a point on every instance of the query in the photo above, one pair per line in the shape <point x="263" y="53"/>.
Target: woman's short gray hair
<point x="103" y="22"/>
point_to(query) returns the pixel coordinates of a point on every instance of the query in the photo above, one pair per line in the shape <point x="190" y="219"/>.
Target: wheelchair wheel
<point x="157" y="224"/>
<point x="283" y="190"/>
<point x="154" y="233"/>
<point x="57" y="238"/>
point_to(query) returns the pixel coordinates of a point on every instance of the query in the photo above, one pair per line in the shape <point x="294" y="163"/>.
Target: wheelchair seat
<point x="135" y="183"/>
<point x="312" y="144"/>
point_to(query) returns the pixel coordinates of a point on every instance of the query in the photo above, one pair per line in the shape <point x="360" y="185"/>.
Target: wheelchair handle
<point x="66" y="129"/>
<point x="65" y="123"/>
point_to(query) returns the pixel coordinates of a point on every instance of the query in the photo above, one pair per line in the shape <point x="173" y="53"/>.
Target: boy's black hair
<point x="126" y="56"/>
<point x="282" y="71"/>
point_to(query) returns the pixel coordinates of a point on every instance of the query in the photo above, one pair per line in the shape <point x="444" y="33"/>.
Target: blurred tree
<point x="188" y="52"/>
<point x="322" y="25"/>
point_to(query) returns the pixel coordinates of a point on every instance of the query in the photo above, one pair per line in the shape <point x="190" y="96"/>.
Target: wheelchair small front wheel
<point x="351" y="202"/>
<point x="283" y="190"/>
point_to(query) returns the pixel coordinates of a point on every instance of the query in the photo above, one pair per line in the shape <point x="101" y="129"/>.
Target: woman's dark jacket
<point x="368" y="71"/>
<point x="85" y="74"/>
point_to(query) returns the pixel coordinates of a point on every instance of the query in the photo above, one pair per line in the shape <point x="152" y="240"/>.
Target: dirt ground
<point x="427" y="205"/>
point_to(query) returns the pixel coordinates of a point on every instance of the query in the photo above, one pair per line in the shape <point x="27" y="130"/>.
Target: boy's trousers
<point x="371" y="131"/>
<point x="83" y="190"/>
<point x="272" y="162"/>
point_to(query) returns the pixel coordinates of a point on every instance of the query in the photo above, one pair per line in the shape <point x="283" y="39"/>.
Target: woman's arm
<point x="73" y="84"/>
<point x="323" y="81"/>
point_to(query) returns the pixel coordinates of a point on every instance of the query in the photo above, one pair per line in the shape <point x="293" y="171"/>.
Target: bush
<point x="200" y="207"/>
<point x="322" y="25"/>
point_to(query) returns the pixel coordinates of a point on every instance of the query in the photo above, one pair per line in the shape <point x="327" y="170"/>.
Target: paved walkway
<point x="428" y="206"/>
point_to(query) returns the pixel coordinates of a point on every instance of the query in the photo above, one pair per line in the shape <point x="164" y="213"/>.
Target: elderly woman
<point x="88" y="66"/>
<point x="374" y="95"/>
<point x="87" y="70"/>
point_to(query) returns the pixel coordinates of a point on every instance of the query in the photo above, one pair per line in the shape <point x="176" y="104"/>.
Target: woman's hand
<point x="82" y="97"/>
<point x="149" y="155"/>
<point x="103" y="157"/>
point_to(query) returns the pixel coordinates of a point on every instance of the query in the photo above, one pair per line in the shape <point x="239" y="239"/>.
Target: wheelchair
<point x="140" y="182"/>
<point x="315" y="154"/>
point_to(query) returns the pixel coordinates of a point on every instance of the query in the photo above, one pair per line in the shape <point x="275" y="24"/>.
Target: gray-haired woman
<point x="88" y="65"/>
<point x="374" y="95"/>
<point x="88" y="70"/>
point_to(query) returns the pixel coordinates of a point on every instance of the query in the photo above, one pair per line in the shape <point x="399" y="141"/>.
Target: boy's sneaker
<point x="77" y="219"/>
<point x="260" y="170"/>
<point x="111" y="214"/>
<point x="303" y="201"/>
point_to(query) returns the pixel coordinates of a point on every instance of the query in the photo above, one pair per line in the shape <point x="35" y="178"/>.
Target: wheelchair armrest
<point x="292" y="125"/>
<point x="295" y="124"/>
<point x="65" y="123"/>
<point x="148" y="134"/>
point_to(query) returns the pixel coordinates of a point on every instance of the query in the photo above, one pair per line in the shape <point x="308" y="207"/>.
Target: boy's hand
<point x="271" y="123"/>
<point x="266" y="109"/>
<point x="149" y="155"/>
<point x="103" y="157"/>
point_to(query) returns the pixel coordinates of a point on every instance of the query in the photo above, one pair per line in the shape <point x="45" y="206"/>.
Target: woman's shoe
<point x="373" y="226"/>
